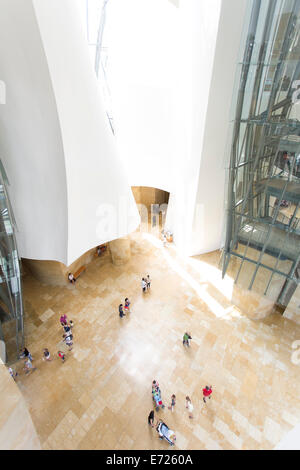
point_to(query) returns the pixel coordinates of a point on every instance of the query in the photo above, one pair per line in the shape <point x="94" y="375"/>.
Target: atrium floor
<point x="100" y="397"/>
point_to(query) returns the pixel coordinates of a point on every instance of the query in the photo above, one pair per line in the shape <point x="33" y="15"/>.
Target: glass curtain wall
<point x="262" y="248"/>
<point x="11" y="304"/>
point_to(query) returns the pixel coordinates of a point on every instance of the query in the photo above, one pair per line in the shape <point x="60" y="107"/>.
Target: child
<point x="46" y="355"/>
<point x="173" y="403"/>
<point x="61" y="355"/>
<point x="127" y="304"/>
<point x="155" y="386"/>
<point x="186" y="338"/>
<point x="71" y="324"/>
<point x="207" y="391"/>
<point x="189" y="406"/>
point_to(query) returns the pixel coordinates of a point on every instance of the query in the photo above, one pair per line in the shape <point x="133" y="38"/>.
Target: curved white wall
<point x="68" y="189"/>
<point x="171" y="71"/>
<point x="17" y="431"/>
<point x="145" y="70"/>
<point x="31" y="147"/>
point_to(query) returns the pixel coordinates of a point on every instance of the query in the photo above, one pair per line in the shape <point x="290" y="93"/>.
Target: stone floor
<point x="101" y="396"/>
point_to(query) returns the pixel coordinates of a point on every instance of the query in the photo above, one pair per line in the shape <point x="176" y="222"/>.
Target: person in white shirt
<point x="189" y="406"/>
<point x="144" y="285"/>
<point x="71" y="278"/>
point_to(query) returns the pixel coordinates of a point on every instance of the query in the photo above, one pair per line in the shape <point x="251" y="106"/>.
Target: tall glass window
<point x="11" y="304"/>
<point x="262" y="248"/>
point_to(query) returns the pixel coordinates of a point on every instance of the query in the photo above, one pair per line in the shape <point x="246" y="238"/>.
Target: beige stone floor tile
<point x="101" y="397"/>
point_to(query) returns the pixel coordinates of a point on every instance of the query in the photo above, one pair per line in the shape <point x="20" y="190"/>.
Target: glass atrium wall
<point x="262" y="248"/>
<point x="11" y="305"/>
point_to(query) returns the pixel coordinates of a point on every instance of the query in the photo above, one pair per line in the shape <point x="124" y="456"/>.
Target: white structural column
<point x="211" y="142"/>
<point x="214" y="42"/>
<point x="68" y="188"/>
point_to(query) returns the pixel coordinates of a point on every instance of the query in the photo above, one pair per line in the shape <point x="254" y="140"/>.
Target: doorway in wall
<point x="152" y="204"/>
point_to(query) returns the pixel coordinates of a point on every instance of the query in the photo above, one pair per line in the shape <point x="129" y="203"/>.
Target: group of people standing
<point x="126" y="308"/>
<point x="156" y="396"/>
<point x="28" y="366"/>
<point x="67" y="335"/>
<point x="26" y="355"/>
<point x="146" y="283"/>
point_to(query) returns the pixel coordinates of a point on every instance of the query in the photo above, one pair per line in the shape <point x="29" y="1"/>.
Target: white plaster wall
<point x="212" y="133"/>
<point x="69" y="191"/>
<point x="172" y="73"/>
<point x="100" y="203"/>
<point x="145" y="70"/>
<point x="17" y="431"/>
<point x="200" y="24"/>
<point x="31" y="147"/>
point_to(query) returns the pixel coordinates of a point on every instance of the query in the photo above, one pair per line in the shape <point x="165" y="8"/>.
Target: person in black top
<point x="151" y="419"/>
<point x="27" y="354"/>
<point x="67" y="328"/>
<point x="121" y="312"/>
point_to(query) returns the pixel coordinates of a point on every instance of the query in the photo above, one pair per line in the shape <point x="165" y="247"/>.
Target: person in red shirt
<point x="207" y="391"/>
<point x="61" y="354"/>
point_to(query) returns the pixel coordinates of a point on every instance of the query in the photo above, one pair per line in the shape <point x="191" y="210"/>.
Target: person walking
<point x="26" y="354"/>
<point x="121" y="313"/>
<point x="46" y="355"/>
<point x="144" y="285"/>
<point x="127" y="305"/>
<point x="63" y="320"/>
<point x="173" y="403"/>
<point x="68" y="339"/>
<point x="148" y="282"/>
<point x="28" y="366"/>
<point x="155" y="386"/>
<point x="61" y="355"/>
<point x="207" y="392"/>
<point x="67" y="328"/>
<point x="189" y="406"/>
<point x="186" y="339"/>
<point x="164" y="240"/>
<point x="151" y="419"/>
<point x="12" y="373"/>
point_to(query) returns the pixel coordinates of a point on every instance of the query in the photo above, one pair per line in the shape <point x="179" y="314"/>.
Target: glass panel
<point x="264" y="171"/>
